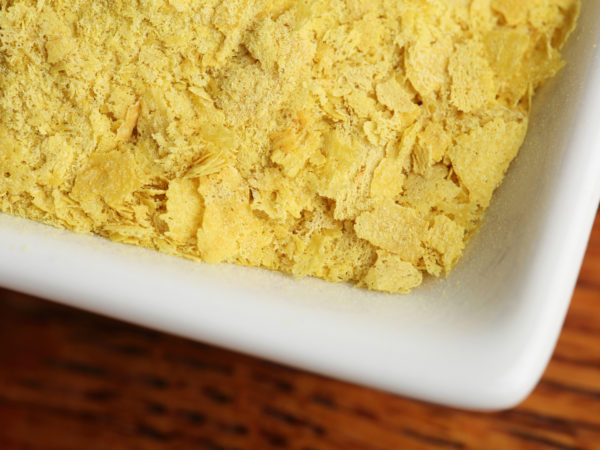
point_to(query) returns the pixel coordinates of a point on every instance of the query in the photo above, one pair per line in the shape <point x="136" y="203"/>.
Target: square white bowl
<point x="479" y="339"/>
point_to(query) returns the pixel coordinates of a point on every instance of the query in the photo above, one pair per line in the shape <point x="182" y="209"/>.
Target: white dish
<point x="479" y="339"/>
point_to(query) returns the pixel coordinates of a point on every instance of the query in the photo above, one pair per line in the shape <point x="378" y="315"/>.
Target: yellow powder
<point x="349" y="140"/>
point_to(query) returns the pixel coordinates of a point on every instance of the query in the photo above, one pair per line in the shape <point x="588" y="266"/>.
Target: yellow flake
<point x="388" y="178"/>
<point x="310" y="261"/>
<point x="108" y="175"/>
<point x="437" y="194"/>
<point x="371" y="131"/>
<point x="341" y="156"/>
<point x="181" y="5"/>
<point x="427" y="57"/>
<point x="394" y="96"/>
<point x="229" y="229"/>
<point x="446" y="237"/>
<point x="287" y="152"/>
<point x="278" y="196"/>
<point x="421" y="160"/>
<point x="392" y="274"/>
<point x="430" y="148"/>
<point x="59" y="159"/>
<point x="408" y="141"/>
<point x="481" y="15"/>
<point x="481" y="157"/>
<point x="185" y="209"/>
<point x="430" y="261"/>
<point x="435" y="141"/>
<point x="394" y="228"/>
<point x="514" y="11"/>
<point x="362" y="104"/>
<point x="473" y="84"/>
<point x="58" y="48"/>
<point x="352" y="140"/>
<point x="131" y="118"/>
<point x="506" y="48"/>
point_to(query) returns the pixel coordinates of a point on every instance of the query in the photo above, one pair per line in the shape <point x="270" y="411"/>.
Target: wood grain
<point x="73" y="380"/>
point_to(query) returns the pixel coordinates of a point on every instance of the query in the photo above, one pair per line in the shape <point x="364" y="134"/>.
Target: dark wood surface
<point x="73" y="380"/>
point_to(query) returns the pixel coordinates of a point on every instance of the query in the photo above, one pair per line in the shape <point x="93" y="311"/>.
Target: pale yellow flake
<point x="446" y="237"/>
<point x="229" y="229"/>
<point x="388" y="178"/>
<point x="435" y="140"/>
<point x="427" y="61"/>
<point x="506" y="48"/>
<point x="394" y="96"/>
<point x="310" y="260"/>
<point x="131" y="119"/>
<point x="514" y="11"/>
<point x="394" y="228"/>
<point x="481" y="157"/>
<point x="363" y="105"/>
<point x="392" y="274"/>
<point x="59" y="159"/>
<point x="473" y="84"/>
<point x="430" y="148"/>
<point x="291" y="148"/>
<point x="59" y="48"/>
<point x="185" y="208"/>
<point x="481" y="15"/>
<point x="341" y="158"/>
<point x="109" y="175"/>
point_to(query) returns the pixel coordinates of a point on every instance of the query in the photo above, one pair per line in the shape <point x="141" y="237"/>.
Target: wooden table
<point x="73" y="380"/>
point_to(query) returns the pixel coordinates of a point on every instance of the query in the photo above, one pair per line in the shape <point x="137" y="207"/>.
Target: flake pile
<point x="348" y="140"/>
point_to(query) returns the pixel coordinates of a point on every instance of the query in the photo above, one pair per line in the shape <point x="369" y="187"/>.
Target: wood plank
<point x="72" y="380"/>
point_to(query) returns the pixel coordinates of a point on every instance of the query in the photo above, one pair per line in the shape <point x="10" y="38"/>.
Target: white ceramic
<point x="479" y="339"/>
